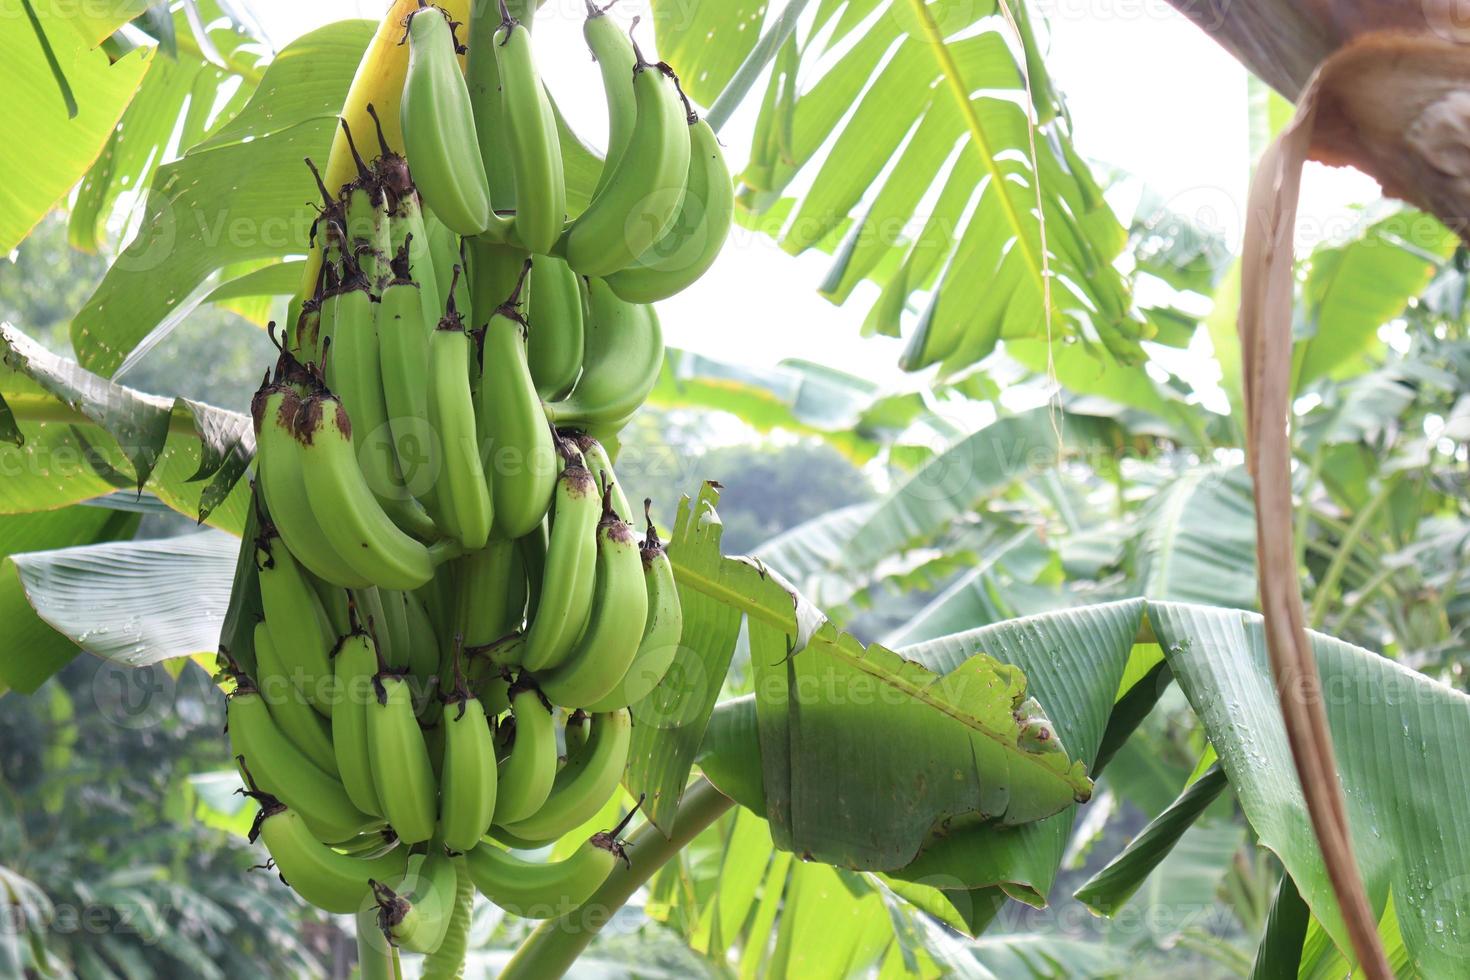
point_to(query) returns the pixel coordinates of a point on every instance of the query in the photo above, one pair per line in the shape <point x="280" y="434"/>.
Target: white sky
<point x="1147" y="92"/>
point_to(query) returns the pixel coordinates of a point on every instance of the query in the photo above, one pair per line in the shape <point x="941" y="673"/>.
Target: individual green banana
<point x="414" y="911"/>
<point x="332" y="881"/>
<point x="533" y="142"/>
<point x="406" y="225"/>
<point x="446" y="962"/>
<point x="403" y="353"/>
<point x="306" y="729"/>
<point x="336" y="603"/>
<point x="692" y="243"/>
<point x="576" y="730"/>
<point x="619" y="610"/>
<point x="355" y="377"/>
<point x="423" y="637"/>
<point x="468" y="784"/>
<point x="272" y="761"/>
<point x="537" y="890"/>
<point x="464" y="497"/>
<point x="485" y="587"/>
<point x="395" y="623"/>
<point x="439" y="127"/>
<point x="356" y="664"/>
<point x="365" y="218"/>
<point x="571" y="557"/>
<point x="368" y="606"/>
<point x="519" y="455"/>
<point x="661" y="634"/>
<point x="594" y="454"/>
<point x="444" y="249"/>
<point x="640" y="201"/>
<point x="612" y="48"/>
<point x="302" y="635"/>
<point x="527" y="774"/>
<point x="621" y="362"/>
<point x="482" y="78"/>
<point x="350" y="516"/>
<point x="278" y="472"/>
<point x="556" y="326"/>
<point x="402" y="770"/>
<point x="585" y="783"/>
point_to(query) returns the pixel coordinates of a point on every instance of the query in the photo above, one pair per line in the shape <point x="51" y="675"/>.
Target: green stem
<point x="745" y="76"/>
<point x="1355" y="531"/>
<point x="556" y="943"/>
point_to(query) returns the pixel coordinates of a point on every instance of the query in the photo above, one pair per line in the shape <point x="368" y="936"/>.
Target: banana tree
<point x="890" y="796"/>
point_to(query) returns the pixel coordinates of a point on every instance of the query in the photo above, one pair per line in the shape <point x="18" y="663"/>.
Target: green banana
<point x="621" y="362"/>
<point x="306" y="729"/>
<point x="336" y="603"/>
<point x="619" y="610"/>
<point x="576" y="730"/>
<point x="519" y="455"/>
<point x="269" y="759"/>
<point x="365" y="218"/>
<point x="368" y="605"/>
<point x="467" y="800"/>
<point x="536" y="890"/>
<point x="571" y="557"/>
<point x="439" y="127"/>
<point x="612" y="49"/>
<point x="661" y="634"/>
<point x="356" y="665"/>
<point x="640" y="201"/>
<point x="278" y="472"/>
<point x="332" y="881"/>
<point x="402" y="770"/>
<point x="423" y="637"/>
<point x="533" y="142"/>
<point x="403" y="358"/>
<point x="415" y="910"/>
<point x="444" y="249"/>
<point x="447" y="960"/>
<point x="556" y="326"/>
<point x="585" y="783"/>
<point x="693" y="241"/>
<point x="527" y="774"/>
<point x="302" y="635"/>
<point x="395" y="624"/>
<point x="355" y="377"/>
<point x="350" y="516"/>
<point x="482" y="77"/>
<point x="485" y="586"/>
<point x="463" y="495"/>
<point x="594" y="454"/>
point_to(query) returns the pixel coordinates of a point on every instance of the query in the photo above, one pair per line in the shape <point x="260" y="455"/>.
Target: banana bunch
<point x="457" y="612"/>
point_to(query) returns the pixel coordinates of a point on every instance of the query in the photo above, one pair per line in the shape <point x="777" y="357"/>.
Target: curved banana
<point x="526" y="776"/>
<point x="556" y="326"/>
<point x="536" y="890"/>
<point x="640" y="201"/>
<point x="534" y="145"/>
<point x="520" y="457"/>
<point x="301" y="634"/>
<point x="365" y="217"/>
<point x="468" y="784"/>
<point x="402" y="772"/>
<point x="612" y="49"/>
<point x="661" y="634"/>
<point x="446" y="961"/>
<point x="439" y="127"/>
<point x="414" y="911"/>
<point x="594" y="454"/>
<point x="306" y="729"/>
<point x="406" y="226"/>
<point x="355" y="377"/>
<point x="485" y="586"/>
<point x="358" y="528"/>
<point x="281" y="769"/>
<point x="464" y="497"/>
<point x="332" y="881"/>
<point x="356" y="665"/>
<point x="403" y="359"/>
<point x="571" y="557"/>
<point x="692" y="243"/>
<point x="279" y="478"/>
<point x="620" y="365"/>
<point x="585" y="783"/>
<point x="619" y="610"/>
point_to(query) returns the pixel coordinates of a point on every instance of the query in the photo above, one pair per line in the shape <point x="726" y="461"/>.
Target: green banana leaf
<point x="1397" y="735"/>
<point x="1198" y="539"/>
<point x="52" y="142"/>
<point x="73" y="436"/>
